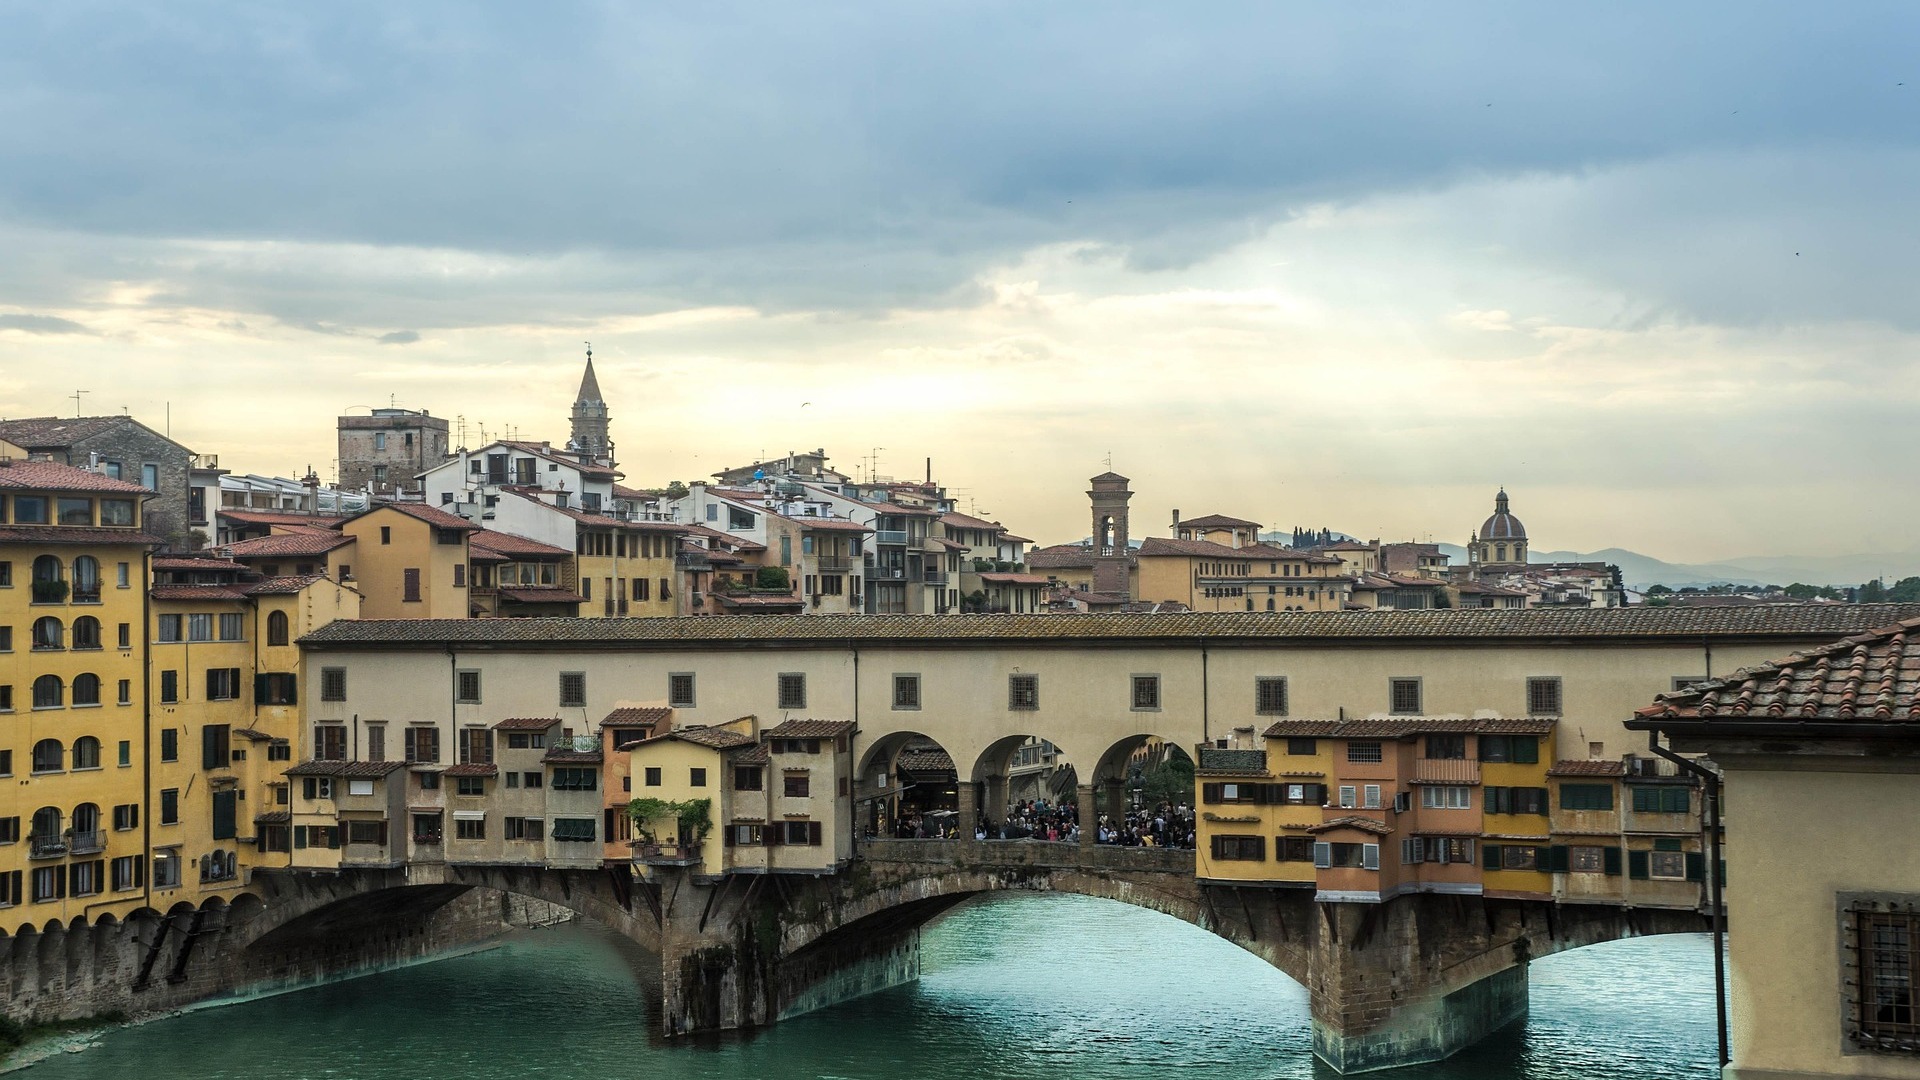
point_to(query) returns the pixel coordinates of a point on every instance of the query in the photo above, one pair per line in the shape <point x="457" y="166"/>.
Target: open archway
<point x="907" y="788"/>
<point x="1026" y="787"/>
<point x="1143" y="793"/>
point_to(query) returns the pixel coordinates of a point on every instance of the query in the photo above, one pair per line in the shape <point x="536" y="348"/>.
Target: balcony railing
<point x="886" y="573"/>
<point x="890" y="536"/>
<point x="86" y="843"/>
<point x="86" y="594"/>
<point x="1446" y="771"/>
<point x="46" y="847"/>
<point x="831" y="563"/>
<point x="690" y="561"/>
<point x="934" y="577"/>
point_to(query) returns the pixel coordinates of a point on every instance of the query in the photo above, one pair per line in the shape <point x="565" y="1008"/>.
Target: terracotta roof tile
<point x="1397" y="727"/>
<point x="638" y="716"/>
<point x="273" y="817"/>
<point x="518" y="547"/>
<point x="809" y="729"/>
<point x="285" y="545"/>
<point x="567" y="755"/>
<point x="1014" y="579"/>
<point x="284" y="585"/>
<point x="472" y="768"/>
<point x="189" y="563"/>
<point x="1218" y="521"/>
<point x="958" y="520"/>
<point x="352" y="769"/>
<point x="57" y="432"/>
<point x="718" y="738"/>
<point x="1352" y="821"/>
<point x="432" y="515"/>
<point x="541" y="594"/>
<point x="197" y="592"/>
<point x="268" y="517"/>
<point x="527" y="723"/>
<point x="924" y="761"/>
<point x="756" y="754"/>
<point x="1870" y="678"/>
<point x="1465" y="624"/>
<point x="75" y="534"/>
<point x="1588" y="768"/>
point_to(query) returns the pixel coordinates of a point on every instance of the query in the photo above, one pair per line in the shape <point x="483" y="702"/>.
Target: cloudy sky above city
<point x="1649" y="266"/>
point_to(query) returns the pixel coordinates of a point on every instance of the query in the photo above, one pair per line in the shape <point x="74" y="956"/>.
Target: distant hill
<point x="1641" y="571"/>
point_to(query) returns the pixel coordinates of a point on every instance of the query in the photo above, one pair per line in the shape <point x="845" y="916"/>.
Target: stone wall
<point x="133" y="445"/>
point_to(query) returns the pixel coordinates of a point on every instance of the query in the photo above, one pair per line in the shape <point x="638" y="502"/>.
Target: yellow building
<point x="1820" y="754"/>
<point x="410" y="562"/>
<point x="514" y="576"/>
<point x="73" y="562"/>
<point x="1206" y="576"/>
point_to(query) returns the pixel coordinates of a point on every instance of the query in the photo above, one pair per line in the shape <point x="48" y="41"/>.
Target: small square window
<point x="1146" y="693"/>
<point x="1543" y="696"/>
<point x="680" y="690"/>
<point x="467" y="687"/>
<point x="1404" y="695"/>
<point x="1023" y="692"/>
<point x="906" y="692"/>
<point x="1364" y="753"/>
<point x="573" y="689"/>
<point x="1270" y="695"/>
<point x="792" y="690"/>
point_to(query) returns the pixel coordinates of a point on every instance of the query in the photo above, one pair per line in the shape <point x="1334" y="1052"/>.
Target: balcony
<point x="666" y="854"/>
<point x="890" y="536"/>
<point x="87" y="843"/>
<point x="886" y="573"/>
<point x="934" y="577"/>
<point x="687" y="560"/>
<point x="46" y="847"/>
<point x="1446" y="771"/>
<point x="834" y="563"/>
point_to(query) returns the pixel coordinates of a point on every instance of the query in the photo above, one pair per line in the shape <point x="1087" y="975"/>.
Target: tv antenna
<point x="76" y="400"/>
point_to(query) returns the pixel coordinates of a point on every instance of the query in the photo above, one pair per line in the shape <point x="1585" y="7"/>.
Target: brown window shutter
<point x="813" y="833"/>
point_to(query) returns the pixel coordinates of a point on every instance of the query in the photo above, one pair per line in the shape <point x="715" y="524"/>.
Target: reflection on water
<point x="1014" y="987"/>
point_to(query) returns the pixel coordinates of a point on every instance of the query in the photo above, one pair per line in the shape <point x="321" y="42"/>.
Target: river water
<point x="1062" y="987"/>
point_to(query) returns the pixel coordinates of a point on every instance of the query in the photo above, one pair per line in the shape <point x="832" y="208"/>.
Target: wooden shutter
<point x="813" y="834"/>
<point x="1637" y="863"/>
<point x="410" y="585"/>
<point x="1696" y="866"/>
<point x="1210" y="793"/>
<point x="1611" y="859"/>
<point x="1558" y="860"/>
<point x="1526" y="750"/>
<point x="1490" y="854"/>
<point x="410" y="740"/>
<point x="259" y="689"/>
<point x="225" y="813"/>
<point x="1369" y="856"/>
<point x="1322" y="854"/>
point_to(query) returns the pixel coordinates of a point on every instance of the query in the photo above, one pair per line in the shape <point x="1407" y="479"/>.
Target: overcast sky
<point x="1652" y="267"/>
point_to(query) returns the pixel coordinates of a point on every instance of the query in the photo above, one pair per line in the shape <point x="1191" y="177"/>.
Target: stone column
<point x="1116" y="800"/>
<point x="1412" y="980"/>
<point x="996" y="798"/>
<point x="969" y="812"/>
<point x="1089" y="827"/>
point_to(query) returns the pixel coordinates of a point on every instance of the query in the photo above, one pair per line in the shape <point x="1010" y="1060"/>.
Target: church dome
<point x="1502" y="525"/>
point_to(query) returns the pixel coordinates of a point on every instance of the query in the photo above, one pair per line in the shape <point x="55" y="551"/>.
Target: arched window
<point x="1502" y="549"/>
<point x="49" y="584"/>
<point x="86" y="755"/>
<point x="49" y="756"/>
<point x="48" y="633"/>
<point x="86" y="825"/>
<point x="277" y="628"/>
<point x="86" y="632"/>
<point x="47" y="568"/>
<point x="86" y="580"/>
<point x="86" y="691"/>
<point x="46" y="829"/>
<point x="48" y="692"/>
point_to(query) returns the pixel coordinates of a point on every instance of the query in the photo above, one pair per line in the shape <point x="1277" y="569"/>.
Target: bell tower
<point x="1112" y="557"/>
<point x="590" y="437"/>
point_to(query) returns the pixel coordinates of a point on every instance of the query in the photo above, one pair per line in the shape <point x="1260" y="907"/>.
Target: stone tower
<point x="590" y="438"/>
<point x="1112" y="557"/>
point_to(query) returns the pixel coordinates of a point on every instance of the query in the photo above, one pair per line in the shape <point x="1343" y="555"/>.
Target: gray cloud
<point x="41" y="324"/>
<point x="399" y="337"/>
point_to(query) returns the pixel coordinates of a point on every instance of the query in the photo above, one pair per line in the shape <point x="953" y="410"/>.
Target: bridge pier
<point x="1085" y="805"/>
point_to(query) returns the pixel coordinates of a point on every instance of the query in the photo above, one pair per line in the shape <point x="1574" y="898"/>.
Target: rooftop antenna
<point x="76" y="400"/>
<point x="1109" y="460"/>
<point x="393" y="401"/>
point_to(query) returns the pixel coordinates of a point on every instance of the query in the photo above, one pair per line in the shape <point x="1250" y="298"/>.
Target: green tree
<point x="1171" y="781"/>
<point x="772" y="577"/>
<point x="1873" y="592"/>
<point x="1905" y="591"/>
<point x="1659" y="590"/>
<point x="676" y="490"/>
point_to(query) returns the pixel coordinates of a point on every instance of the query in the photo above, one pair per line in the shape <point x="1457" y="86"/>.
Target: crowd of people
<point x="1167" y="825"/>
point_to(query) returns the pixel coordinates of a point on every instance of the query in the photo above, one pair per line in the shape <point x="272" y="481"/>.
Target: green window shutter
<point x="1676" y="800"/>
<point x="299" y="837"/>
<point x="1637" y="865"/>
<point x="1667" y="844"/>
<point x="1720" y="872"/>
<point x="1696" y="866"/>
<point x="1526" y="750"/>
<point x="1611" y="857"/>
<point x="1557" y="861"/>
<point x="1491" y="854"/>
<point x="1210" y="793"/>
<point x="225" y="813"/>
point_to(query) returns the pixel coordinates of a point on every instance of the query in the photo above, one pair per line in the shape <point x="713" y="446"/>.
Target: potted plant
<point x="645" y="812"/>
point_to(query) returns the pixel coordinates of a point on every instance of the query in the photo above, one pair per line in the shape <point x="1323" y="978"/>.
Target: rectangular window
<point x="1446" y="797"/>
<point x="1543" y="696"/>
<point x="166" y="869"/>
<point x="223" y="684"/>
<point x="1587" y="860"/>
<point x="465" y="828"/>
<point x="1447" y="747"/>
<point x="276" y="688"/>
<point x="422" y="744"/>
<point x="1517" y="857"/>
<point x="171" y="629"/>
<point x="333" y="684"/>
<point x="169" y="744"/>
<point x="1240" y="848"/>
<point x="376" y="742"/>
<point x="232" y="627"/>
<point x="1370" y="794"/>
<point x="127" y="872"/>
<point x="1023" y="692"/>
<point x="1520" y="749"/>
<point x="471" y="787"/>
<point x="577" y="779"/>
<point x="367" y="832"/>
<point x="29" y="510"/>
<point x="1667" y="865"/>
<point x="1293" y="848"/>
<point x="170" y="806"/>
<point x="1586" y="796"/>
<point x="696" y="777"/>
<point x="1349" y="796"/>
<point x="1404" y="695"/>
<point x="1364" y="753"/>
<point x="746" y="778"/>
<point x="575" y="830"/>
<point x="126" y="816"/>
<point x="573" y="689"/>
<point x="906" y="691"/>
<point x="75" y="511"/>
<point x="680" y="690"/>
<point x="1884" y="939"/>
<point x="200" y="627"/>
<point x="1666" y="799"/>
<point x="796" y="785"/>
<point x="330" y="742"/>
<point x="1270" y="695"/>
<point x="1146" y="694"/>
<point x="409" y="584"/>
<point x="792" y="690"/>
<point x="652" y="776"/>
<point x="126" y="693"/>
<point x="467" y="687"/>
<point x="215" y="746"/>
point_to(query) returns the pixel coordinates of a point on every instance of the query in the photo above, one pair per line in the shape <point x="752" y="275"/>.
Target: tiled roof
<point x="197" y="592"/>
<point x="547" y="453"/>
<point x="945" y="544"/>
<point x="1161" y="546"/>
<point x="738" y="543"/>
<point x="1468" y="624"/>
<point x="754" y="755"/>
<point x="541" y="594"/>
<point x="253" y="734"/>
<point x="919" y="761"/>
<point x="1345" y="545"/>
<point x="193" y="564"/>
<point x="1396" y="727"/>
<point x="567" y="755"/>
<point x="1218" y="521"/>
<point x="518" y="547"/>
<point x="959" y="520"/>
<point x="1352" y="821"/>
<point x="52" y="476"/>
<point x="1014" y="579"/>
<point x="750" y="600"/>
<point x="1061" y="557"/>
<point x="56" y="432"/>
<point x="1588" y="768"/>
<point x="809" y="729"/>
<point x="1871" y="678"/>
<point x="718" y="738"/>
<point x="814" y="524"/>
<point x="273" y="817"/>
<point x="359" y="770"/>
<point x="269" y="517"/>
<point x="432" y="515"/>
<point x="74" y="534"/>
<point x="526" y="723"/>
<point x="601" y="520"/>
<point x="472" y="768"/>
<point x="284" y="545"/>
<point x="284" y="585"/>
<point x="637" y="716"/>
<point x="1011" y="538"/>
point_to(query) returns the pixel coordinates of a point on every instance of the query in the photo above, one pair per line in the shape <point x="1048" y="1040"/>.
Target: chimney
<point x="1176" y="523"/>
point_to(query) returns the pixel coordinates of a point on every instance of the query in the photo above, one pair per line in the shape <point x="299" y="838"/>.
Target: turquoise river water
<point x="1061" y="987"/>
